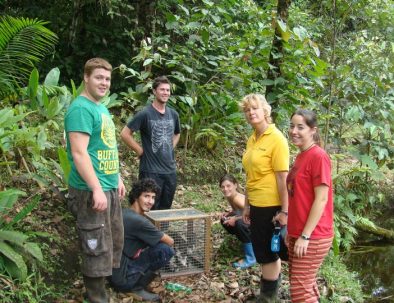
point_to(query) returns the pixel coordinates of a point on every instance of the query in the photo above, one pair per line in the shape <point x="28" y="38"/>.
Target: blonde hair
<point x="94" y="63"/>
<point x="259" y="101"/>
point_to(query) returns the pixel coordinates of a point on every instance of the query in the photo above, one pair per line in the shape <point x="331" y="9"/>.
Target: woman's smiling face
<point x="300" y="133"/>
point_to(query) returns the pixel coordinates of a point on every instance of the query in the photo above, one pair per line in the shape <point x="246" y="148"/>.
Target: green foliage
<point x="354" y="99"/>
<point x="342" y="284"/>
<point x="30" y="145"/>
<point x="23" y="42"/>
<point x="15" y="249"/>
<point x="64" y="163"/>
<point x="32" y="290"/>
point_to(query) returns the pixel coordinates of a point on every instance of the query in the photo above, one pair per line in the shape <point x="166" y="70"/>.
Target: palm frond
<point x="23" y="42"/>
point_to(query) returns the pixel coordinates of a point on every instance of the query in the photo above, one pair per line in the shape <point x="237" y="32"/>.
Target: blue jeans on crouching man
<point x="151" y="259"/>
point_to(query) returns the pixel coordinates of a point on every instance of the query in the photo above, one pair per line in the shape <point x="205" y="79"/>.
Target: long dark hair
<point x="310" y="120"/>
<point x="232" y="179"/>
<point x="228" y="177"/>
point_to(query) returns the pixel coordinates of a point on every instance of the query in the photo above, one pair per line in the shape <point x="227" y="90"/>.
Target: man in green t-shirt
<point x="95" y="186"/>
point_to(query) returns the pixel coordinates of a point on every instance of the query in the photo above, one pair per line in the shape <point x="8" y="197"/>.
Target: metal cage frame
<point x="185" y="226"/>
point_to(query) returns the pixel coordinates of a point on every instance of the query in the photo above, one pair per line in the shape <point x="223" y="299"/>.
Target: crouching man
<point x="146" y="249"/>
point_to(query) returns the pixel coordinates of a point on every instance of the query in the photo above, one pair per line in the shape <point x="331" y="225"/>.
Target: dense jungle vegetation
<point x="333" y="56"/>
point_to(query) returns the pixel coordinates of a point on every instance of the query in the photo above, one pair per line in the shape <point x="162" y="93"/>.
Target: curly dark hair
<point x="146" y="185"/>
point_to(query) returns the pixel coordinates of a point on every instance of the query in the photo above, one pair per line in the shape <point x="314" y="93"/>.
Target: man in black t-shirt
<point x="146" y="249"/>
<point x="159" y="128"/>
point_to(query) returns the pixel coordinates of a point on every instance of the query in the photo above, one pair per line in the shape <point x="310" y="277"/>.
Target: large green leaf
<point x="8" y="198"/>
<point x="52" y="78"/>
<point x="64" y="163"/>
<point x="12" y="236"/>
<point x="34" y="250"/>
<point x="17" y="267"/>
<point x="7" y="118"/>
<point x="25" y="210"/>
<point x="33" y="85"/>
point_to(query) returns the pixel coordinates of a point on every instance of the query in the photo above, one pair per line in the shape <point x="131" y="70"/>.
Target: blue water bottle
<point x="275" y="241"/>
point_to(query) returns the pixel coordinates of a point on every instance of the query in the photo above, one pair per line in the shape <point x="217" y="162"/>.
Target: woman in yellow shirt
<point x="266" y="163"/>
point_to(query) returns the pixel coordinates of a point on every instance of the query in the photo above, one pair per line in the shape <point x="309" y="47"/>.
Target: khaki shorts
<point x="100" y="233"/>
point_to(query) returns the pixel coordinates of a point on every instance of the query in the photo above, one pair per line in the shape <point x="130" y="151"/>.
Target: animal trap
<point x="191" y="231"/>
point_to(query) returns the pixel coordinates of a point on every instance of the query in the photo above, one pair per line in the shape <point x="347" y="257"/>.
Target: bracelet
<point x="284" y="212"/>
<point x="305" y="237"/>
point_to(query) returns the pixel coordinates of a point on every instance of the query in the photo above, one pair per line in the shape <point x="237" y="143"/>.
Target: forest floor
<point x="222" y="283"/>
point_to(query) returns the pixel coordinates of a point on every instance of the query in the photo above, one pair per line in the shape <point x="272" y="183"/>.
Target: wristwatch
<point x="305" y="237"/>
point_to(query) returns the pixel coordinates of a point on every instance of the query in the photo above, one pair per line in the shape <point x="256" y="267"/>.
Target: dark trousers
<point x="167" y="184"/>
<point x="151" y="259"/>
<point x="262" y="229"/>
<point x="100" y="232"/>
<point x="240" y="230"/>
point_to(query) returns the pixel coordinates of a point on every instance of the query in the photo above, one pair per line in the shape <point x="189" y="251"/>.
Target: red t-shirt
<point x="311" y="168"/>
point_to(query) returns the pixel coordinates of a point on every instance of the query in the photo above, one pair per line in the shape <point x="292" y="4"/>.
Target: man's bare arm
<point x="127" y="136"/>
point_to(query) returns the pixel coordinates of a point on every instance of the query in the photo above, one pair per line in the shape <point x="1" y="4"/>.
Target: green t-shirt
<point x="88" y="117"/>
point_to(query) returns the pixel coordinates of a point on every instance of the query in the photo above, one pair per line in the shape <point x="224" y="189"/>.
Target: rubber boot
<point x="249" y="259"/>
<point x="269" y="290"/>
<point x="140" y="292"/>
<point x="95" y="289"/>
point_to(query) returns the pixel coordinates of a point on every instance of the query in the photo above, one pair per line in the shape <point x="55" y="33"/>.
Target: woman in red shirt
<point x="310" y="220"/>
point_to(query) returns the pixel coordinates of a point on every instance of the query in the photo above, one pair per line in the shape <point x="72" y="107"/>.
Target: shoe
<point x="144" y="295"/>
<point x="249" y="259"/>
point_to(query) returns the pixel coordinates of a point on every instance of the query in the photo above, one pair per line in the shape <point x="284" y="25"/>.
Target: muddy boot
<point x="95" y="290"/>
<point x="269" y="290"/>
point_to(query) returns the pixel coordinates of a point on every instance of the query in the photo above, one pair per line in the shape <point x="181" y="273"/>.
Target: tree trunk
<point x="387" y="234"/>
<point x="145" y="14"/>
<point x="275" y="61"/>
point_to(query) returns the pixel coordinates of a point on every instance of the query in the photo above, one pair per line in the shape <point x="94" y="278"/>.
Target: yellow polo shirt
<point x="263" y="157"/>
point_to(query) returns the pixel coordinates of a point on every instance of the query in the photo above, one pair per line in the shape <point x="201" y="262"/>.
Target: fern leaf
<point x="23" y="42"/>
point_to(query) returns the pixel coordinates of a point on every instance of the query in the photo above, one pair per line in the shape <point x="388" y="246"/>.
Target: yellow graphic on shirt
<point x="108" y="131"/>
<point x="108" y="159"/>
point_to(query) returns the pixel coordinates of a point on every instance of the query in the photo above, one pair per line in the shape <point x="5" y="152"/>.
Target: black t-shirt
<point x="139" y="232"/>
<point x="157" y="131"/>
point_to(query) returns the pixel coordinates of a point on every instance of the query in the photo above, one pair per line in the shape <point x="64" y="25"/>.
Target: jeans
<point x="240" y="230"/>
<point x="151" y="259"/>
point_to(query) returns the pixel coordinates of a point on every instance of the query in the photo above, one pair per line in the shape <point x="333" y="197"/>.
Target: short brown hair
<point x="94" y="63"/>
<point x="160" y="80"/>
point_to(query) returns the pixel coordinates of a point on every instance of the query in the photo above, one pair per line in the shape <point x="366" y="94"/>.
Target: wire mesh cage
<point x="191" y="231"/>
